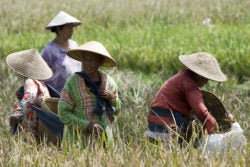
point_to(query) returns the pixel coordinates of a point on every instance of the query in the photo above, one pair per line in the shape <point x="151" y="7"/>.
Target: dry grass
<point x="133" y="31"/>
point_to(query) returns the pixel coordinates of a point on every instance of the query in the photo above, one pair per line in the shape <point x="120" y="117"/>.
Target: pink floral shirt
<point x="34" y="93"/>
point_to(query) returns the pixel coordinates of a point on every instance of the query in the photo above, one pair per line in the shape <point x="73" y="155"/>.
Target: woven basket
<point x="50" y="105"/>
<point x="46" y="135"/>
<point x="217" y="110"/>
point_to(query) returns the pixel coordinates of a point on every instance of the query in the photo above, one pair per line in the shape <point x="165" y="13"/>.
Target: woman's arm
<point x="30" y="92"/>
<point x="66" y="109"/>
<point x="195" y="99"/>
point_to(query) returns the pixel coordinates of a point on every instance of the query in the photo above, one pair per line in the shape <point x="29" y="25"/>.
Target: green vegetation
<point x="145" y="37"/>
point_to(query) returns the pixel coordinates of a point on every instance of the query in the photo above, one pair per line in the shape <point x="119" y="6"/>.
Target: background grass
<point x="156" y="32"/>
<point x="145" y="37"/>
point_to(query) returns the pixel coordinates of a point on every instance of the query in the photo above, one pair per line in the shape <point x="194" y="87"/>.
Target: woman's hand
<point x="94" y="128"/>
<point x="106" y="94"/>
<point x="216" y="128"/>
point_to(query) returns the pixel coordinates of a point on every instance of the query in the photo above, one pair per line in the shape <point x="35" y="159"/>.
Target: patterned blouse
<point x="62" y="65"/>
<point x="76" y="104"/>
<point x="34" y="93"/>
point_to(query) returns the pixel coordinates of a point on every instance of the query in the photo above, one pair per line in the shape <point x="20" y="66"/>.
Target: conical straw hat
<point x="204" y="64"/>
<point x="217" y="110"/>
<point x="30" y="64"/>
<point x="63" y="18"/>
<point x="50" y="105"/>
<point x="94" y="47"/>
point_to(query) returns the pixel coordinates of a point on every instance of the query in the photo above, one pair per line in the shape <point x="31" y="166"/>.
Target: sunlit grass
<point x="145" y="37"/>
<point x="131" y="148"/>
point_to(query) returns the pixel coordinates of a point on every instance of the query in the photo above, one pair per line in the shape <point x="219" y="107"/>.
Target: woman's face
<point x="201" y="80"/>
<point x="66" y="31"/>
<point x="91" y="62"/>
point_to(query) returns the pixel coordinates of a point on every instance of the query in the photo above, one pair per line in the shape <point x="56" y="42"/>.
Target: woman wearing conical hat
<point x="181" y="94"/>
<point x="89" y="99"/>
<point x="54" y="53"/>
<point x="33" y="70"/>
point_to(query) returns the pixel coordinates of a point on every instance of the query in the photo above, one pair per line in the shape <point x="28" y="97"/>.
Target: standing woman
<point x="89" y="100"/>
<point x="33" y="70"/>
<point x="55" y="52"/>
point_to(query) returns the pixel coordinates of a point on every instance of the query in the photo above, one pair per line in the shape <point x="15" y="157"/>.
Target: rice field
<point x="145" y="37"/>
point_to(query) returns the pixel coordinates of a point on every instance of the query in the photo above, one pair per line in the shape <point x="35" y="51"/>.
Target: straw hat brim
<point x="56" y="25"/>
<point x="93" y="47"/>
<point x="203" y="64"/>
<point x="217" y="110"/>
<point x="50" y="105"/>
<point x="30" y="64"/>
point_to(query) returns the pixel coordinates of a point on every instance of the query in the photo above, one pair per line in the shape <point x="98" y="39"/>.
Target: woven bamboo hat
<point x="217" y="110"/>
<point x="30" y="64"/>
<point x="63" y="18"/>
<point x="204" y="64"/>
<point x="94" y="47"/>
<point x="50" y="105"/>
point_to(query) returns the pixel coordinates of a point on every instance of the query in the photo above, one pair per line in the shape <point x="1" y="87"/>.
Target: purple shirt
<point x="62" y="65"/>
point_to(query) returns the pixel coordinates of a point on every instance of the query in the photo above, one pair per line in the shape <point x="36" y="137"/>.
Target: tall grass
<point x="131" y="149"/>
<point x="145" y="37"/>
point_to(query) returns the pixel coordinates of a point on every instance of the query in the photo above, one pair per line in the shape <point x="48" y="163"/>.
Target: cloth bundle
<point x="230" y="136"/>
<point x="232" y="140"/>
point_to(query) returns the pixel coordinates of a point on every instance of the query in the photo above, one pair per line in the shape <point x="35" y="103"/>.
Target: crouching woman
<point x="181" y="95"/>
<point x="32" y="69"/>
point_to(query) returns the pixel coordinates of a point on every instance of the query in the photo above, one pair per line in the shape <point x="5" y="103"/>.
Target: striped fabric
<point x="160" y="120"/>
<point x="77" y="102"/>
<point x="162" y="123"/>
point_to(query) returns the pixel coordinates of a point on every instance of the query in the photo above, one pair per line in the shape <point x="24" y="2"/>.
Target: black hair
<point x="20" y="93"/>
<point x="57" y="28"/>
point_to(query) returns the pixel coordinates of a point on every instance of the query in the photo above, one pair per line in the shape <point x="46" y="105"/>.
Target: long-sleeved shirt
<point x="77" y="102"/>
<point x="181" y="93"/>
<point x="34" y="93"/>
<point x="61" y="65"/>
